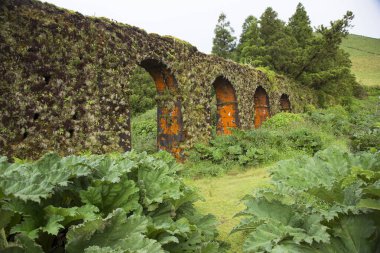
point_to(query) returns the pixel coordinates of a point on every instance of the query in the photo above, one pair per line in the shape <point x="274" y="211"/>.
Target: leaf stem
<point x="3" y="239"/>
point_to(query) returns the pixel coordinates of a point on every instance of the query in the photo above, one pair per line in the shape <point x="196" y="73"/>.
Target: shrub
<point x="144" y="132"/>
<point x="306" y="140"/>
<point x="254" y="147"/>
<point x="283" y="120"/>
<point x="334" y="119"/>
<point x="366" y="140"/>
<point x="128" y="202"/>
<point x="327" y="203"/>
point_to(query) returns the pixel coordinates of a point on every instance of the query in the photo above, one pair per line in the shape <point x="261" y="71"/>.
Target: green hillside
<point x="365" y="57"/>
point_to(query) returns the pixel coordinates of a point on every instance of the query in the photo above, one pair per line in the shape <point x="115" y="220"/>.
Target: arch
<point x="169" y="114"/>
<point x="261" y="104"/>
<point x="227" y="106"/>
<point x="285" y="103"/>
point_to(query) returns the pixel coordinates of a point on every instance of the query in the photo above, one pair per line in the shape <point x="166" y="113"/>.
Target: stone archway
<point x="227" y="106"/>
<point x="169" y="114"/>
<point x="285" y="103"/>
<point x="261" y="104"/>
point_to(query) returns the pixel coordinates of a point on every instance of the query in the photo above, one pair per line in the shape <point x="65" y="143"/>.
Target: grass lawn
<point x="222" y="199"/>
<point x="365" y="56"/>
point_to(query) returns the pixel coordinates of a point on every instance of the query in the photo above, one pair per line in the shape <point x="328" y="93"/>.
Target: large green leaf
<point x="109" y="196"/>
<point x="315" y="205"/>
<point x="83" y="213"/>
<point x="370" y="204"/>
<point x="352" y="235"/>
<point x="23" y="244"/>
<point x="115" y="231"/>
<point x="35" y="181"/>
<point x="156" y="183"/>
<point x="323" y="170"/>
<point x="108" y="203"/>
<point x="111" y="168"/>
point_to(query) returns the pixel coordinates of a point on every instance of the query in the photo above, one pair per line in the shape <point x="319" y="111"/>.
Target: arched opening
<point x="227" y="107"/>
<point x="262" y="110"/>
<point x="284" y="103"/>
<point x="169" y="114"/>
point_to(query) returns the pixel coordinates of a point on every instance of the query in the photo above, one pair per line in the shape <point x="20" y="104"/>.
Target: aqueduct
<point x="64" y="85"/>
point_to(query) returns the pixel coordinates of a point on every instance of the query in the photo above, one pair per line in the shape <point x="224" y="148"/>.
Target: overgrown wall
<point x="64" y="81"/>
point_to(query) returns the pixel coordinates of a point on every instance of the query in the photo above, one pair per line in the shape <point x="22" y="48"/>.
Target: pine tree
<point x="224" y="41"/>
<point x="278" y="44"/>
<point x="250" y="43"/>
<point x="313" y="60"/>
<point x="271" y="27"/>
<point x="299" y="26"/>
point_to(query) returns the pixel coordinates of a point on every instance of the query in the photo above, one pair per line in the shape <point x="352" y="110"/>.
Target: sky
<point x="194" y="20"/>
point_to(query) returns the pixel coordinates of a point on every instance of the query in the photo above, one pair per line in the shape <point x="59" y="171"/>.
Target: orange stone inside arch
<point x="227" y="107"/>
<point x="169" y="114"/>
<point x="261" y="104"/>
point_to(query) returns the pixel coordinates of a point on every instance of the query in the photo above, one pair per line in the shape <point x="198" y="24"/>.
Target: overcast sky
<point x="195" y="20"/>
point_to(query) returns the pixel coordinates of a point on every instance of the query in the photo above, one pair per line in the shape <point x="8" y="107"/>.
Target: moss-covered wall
<point x="64" y="81"/>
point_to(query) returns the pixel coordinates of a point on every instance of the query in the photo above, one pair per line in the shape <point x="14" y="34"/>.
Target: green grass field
<point x="365" y="56"/>
<point x="222" y="198"/>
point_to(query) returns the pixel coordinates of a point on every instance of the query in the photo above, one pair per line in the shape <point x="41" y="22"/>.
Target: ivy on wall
<point x="64" y="81"/>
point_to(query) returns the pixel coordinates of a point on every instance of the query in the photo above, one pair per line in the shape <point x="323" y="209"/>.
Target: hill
<point x="365" y="56"/>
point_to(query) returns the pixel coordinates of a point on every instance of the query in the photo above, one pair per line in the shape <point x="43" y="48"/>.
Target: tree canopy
<point x="224" y="41"/>
<point x="313" y="58"/>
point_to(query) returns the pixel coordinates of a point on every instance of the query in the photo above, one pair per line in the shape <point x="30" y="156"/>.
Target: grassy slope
<point x="365" y="56"/>
<point x="222" y="199"/>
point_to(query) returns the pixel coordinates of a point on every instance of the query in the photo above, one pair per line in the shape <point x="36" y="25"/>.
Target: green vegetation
<point x="143" y="92"/>
<point x="144" y="131"/>
<point x="327" y="203"/>
<point x="224" y="41"/>
<point x="222" y="197"/>
<point x="313" y="59"/>
<point x="100" y="203"/>
<point x="315" y="176"/>
<point x="365" y="56"/>
<point x="224" y="183"/>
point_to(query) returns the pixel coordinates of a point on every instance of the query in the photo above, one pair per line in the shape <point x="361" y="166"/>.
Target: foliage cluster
<point x="224" y="41"/>
<point x="283" y="136"/>
<point x="326" y="203"/>
<point x="129" y="202"/>
<point x="143" y="92"/>
<point x="144" y="131"/>
<point x="313" y="58"/>
<point x="286" y="135"/>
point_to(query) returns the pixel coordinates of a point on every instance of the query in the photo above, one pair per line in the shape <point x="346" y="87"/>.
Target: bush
<point x="254" y="147"/>
<point x="143" y="91"/>
<point x="283" y="120"/>
<point x="128" y="202"/>
<point x="306" y="140"/>
<point x="327" y="203"/>
<point x="366" y="140"/>
<point x="335" y="120"/>
<point x="144" y="132"/>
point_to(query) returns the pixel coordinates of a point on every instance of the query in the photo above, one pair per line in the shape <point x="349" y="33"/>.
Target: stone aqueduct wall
<point x="64" y="84"/>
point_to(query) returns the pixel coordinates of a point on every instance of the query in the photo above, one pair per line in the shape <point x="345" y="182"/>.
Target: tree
<point x="299" y="26"/>
<point x="271" y="27"/>
<point x="250" y="43"/>
<point x="224" y="41"/>
<point x="323" y="50"/>
<point x="143" y="91"/>
<point x="313" y="60"/>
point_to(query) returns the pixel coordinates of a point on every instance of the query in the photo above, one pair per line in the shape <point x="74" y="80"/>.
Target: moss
<point x="60" y="63"/>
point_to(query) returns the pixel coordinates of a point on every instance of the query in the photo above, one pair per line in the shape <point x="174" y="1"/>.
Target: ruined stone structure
<point x="64" y="85"/>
